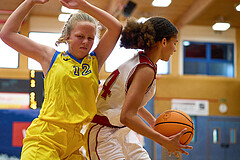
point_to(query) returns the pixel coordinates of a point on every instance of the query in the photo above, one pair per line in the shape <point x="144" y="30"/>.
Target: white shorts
<point x="107" y="143"/>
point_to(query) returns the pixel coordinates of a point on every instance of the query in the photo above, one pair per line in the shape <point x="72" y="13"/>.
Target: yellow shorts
<point x="46" y="140"/>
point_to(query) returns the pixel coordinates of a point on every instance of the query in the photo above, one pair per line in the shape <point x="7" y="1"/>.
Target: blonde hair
<point x="69" y="25"/>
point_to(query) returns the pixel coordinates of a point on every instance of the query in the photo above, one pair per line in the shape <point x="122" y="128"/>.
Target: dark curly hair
<point x="145" y="35"/>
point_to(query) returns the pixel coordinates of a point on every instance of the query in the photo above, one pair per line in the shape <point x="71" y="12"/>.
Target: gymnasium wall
<point x="215" y="89"/>
<point x="175" y="85"/>
<point x="36" y="24"/>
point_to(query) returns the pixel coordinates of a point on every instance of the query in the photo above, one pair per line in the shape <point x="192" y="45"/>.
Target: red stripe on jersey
<point x="143" y="60"/>
<point x="103" y="120"/>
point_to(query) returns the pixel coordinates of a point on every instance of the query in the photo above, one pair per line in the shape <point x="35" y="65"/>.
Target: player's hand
<point x="40" y="1"/>
<point x="174" y="145"/>
<point x="72" y="4"/>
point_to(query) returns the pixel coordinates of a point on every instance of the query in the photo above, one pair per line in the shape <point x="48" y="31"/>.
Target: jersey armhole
<point x="52" y="61"/>
<point x="92" y="54"/>
<point x="132" y="73"/>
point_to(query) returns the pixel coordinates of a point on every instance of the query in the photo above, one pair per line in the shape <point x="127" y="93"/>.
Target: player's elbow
<point x="116" y="30"/>
<point x="5" y="36"/>
<point x="120" y="27"/>
<point x="125" y="118"/>
<point x="2" y="35"/>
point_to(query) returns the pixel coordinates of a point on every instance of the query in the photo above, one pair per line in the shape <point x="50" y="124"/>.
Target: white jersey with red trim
<point x="113" y="93"/>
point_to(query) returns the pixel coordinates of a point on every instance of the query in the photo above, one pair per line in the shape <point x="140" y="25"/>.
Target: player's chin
<point x="84" y="52"/>
<point x="166" y="59"/>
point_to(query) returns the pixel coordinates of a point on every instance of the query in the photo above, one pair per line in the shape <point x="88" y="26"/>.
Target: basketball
<point x="172" y="122"/>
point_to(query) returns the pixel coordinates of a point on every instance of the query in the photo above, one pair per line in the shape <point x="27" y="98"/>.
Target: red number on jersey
<point x="108" y="84"/>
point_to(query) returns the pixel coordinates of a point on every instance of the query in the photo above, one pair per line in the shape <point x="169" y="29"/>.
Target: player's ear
<point x="164" y="42"/>
<point x="68" y="39"/>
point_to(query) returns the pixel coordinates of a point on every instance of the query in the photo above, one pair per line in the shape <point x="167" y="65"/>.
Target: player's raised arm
<point x="24" y="45"/>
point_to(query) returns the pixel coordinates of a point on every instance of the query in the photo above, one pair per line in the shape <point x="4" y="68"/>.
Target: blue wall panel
<point x="7" y="118"/>
<point x="149" y="144"/>
<point x="199" y="146"/>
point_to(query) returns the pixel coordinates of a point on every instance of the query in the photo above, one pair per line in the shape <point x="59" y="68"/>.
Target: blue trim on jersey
<point x="92" y="54"/>
<point x="79" y="61"/>
<point x="53" y="60"/>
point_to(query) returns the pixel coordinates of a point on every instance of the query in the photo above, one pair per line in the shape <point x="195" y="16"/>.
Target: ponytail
<point x="137" y="35"/>
<point x="145" y="35"/>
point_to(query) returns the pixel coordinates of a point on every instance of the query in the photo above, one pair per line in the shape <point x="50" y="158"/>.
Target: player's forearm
<point x="136" y="124"/>
<point x="105" y="18"/>
<point x="147" y="116"/>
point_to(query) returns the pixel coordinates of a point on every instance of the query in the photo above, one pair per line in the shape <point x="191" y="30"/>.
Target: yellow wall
<point x="213" y="89"/>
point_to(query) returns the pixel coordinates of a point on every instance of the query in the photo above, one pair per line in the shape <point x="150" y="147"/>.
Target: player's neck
<point x="153" y="54"/>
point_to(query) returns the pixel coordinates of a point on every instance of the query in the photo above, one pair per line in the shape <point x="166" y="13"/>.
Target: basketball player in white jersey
<point x="127" y="90"/>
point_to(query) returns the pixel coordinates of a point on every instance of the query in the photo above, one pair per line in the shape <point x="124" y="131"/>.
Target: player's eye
<point x="90" y="38"/>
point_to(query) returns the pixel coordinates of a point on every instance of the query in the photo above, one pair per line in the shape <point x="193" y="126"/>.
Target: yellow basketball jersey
<point x="71" y="88"/>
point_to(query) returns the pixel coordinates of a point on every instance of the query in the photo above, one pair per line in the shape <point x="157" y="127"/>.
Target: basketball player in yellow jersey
<point x="71" y="78"/>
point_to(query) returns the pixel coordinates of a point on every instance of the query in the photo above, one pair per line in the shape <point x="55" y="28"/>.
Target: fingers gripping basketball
<point x="172" y="122"/>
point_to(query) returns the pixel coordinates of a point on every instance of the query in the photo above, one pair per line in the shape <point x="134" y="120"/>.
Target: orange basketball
<point x="172" y="122"/>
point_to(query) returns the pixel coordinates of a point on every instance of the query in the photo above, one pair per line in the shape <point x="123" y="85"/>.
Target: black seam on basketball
<point x="188" y="137"/>
<point x="182" y="115"/>
<point x="177" y="123"/>
<point x="188" y="132"/>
